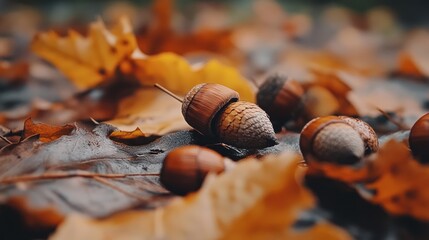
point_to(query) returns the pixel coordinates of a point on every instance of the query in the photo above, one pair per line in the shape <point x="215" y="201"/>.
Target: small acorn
<point x="185" y="168"/>
<point x="341" y="140"/>
<point x="214" y="110"/>
<point x="281" y="98"/>
<point x="419" y="139"/>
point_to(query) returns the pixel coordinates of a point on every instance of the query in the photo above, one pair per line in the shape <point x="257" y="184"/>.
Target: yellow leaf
<point x="255" y="200"/>
<point x="150" y="110"/>
<point x="176" y="74"/>
<point x="87" y="61"/>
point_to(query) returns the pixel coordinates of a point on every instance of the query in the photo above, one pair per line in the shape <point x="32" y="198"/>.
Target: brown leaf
<point x="256" y="200"/>
<point x="46" y="133"/>
<point x="391" y="178"/>
<point x="14" y="72"/>
<point x="73" y="172"/>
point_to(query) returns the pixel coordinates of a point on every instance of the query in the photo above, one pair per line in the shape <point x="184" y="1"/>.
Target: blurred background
<point x="367" y="38"/>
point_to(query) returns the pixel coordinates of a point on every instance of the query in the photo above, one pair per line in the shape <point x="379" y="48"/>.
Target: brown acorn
<point x="185" y="168"/>
<point x="213" y="110"/>
<point x="281" y="98"/>
<point x="335" y="139"/>
<point x="419" y="139"/>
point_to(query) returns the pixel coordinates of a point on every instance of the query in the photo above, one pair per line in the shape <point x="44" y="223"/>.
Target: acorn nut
<point x="341" y="140"/>
<point x="185" y="168"/>
<point x="281" y="98"/>
<point x="214" y="110"/>
<point x="419" y="139"/>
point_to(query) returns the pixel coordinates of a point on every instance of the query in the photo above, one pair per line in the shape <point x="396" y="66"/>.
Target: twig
<point x="398" y="124"/>
<point x="5" y="139"/>
<point x="62" y="174"/>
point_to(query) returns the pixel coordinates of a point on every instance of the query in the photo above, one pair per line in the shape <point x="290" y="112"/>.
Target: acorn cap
<point x="185" y="168"/>
<point x="366" y="132"/>
<point x="331" y="139"/>
<point x="245" y="125"/>
<point x="280" y="97"/>
<point x="202" y="104"/>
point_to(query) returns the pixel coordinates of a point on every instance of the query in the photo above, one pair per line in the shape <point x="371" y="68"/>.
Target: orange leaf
<point x="87" y="61"/>
<point x="46" y="133"/>
<point x="176" y="74"/>
<point x="255" y="200"/>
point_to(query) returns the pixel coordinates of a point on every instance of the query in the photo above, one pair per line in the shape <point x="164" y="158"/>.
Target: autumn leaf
<point x="413" y="59"/>
<point x="177" y="75"/>
<point x="14" y="72"/>
<point x="150" y="110"/>
<point x="72" y="172"/>
<point x="402" y="182"/>
<point x="256" y="200"/>
<point x="87" y="61"/>
<point x="391" y="178"/>
<point x="45" y="132"/>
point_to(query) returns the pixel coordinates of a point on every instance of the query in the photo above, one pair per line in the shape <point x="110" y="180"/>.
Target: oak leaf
<point x="175" y="73"/>
<point x="256" y="200"/>
<point x="87" y="61"/>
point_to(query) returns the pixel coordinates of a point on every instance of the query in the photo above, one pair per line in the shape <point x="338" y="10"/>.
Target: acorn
<point x="341" y="140"/>
<point x="185" y="168"/>
<point x="419" y="139"/>
<point x="281" y="98"/>
<point x="214" y="110"/>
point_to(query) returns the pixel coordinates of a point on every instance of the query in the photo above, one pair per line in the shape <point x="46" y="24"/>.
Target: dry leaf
<point x="150" y="110"/>
<point x="87" y="61"/>
<point x="413" y="60"/>
<point x="402" y="184"/>
<point x="256" y="200"/>
<point x="14" y="72"/>
<point x="177" y="75"/>
<point x="45" y="132"/>
<point x="391" y="178"/>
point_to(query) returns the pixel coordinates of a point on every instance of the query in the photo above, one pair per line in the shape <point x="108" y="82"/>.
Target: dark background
<point x="410" y="12"/>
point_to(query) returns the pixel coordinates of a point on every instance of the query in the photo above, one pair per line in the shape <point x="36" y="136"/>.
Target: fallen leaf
<point x="256" y="200"/>
<point x="176" y="74"/>
<point x="413" y="59"/>
<point x="45" y="132"/>
<point x="150" y="110"/>
<point x="75" y="171"/>
<point x="391" y="178"/>
<point x="136" y="137"/>
<point x="14" y="72"/>
<point x="87" y="61"/>
<point x="402" y="183"/>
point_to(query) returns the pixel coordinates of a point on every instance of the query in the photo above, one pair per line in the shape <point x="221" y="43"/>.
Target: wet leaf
<point x="75" y="171"/>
